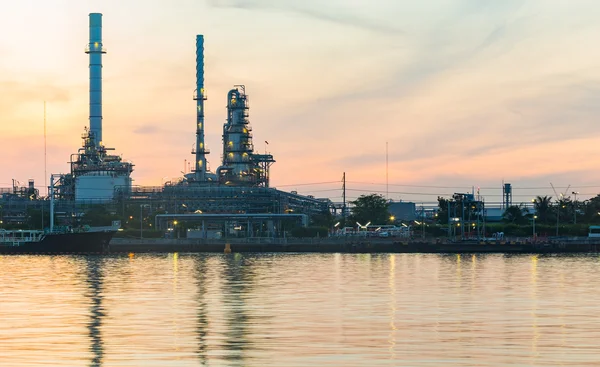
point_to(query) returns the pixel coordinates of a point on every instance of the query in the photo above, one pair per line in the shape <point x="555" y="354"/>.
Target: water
<point x="299" y="310"/>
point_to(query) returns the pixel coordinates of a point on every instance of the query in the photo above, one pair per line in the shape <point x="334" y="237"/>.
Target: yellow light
<point x="95" y="44"/>
<point x="392" y="218"/>
<point x="201" y="145"/>
<point x="174" y="222"/>
<point x="230" y="143"/>
<point x="199" y="163"/>
<point x="131" y="217"/>
<point x="458" y="224"/>
<point x="199" y="125"/>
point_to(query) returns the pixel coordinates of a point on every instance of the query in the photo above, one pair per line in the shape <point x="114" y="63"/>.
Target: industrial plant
<point x="234" y="199"/>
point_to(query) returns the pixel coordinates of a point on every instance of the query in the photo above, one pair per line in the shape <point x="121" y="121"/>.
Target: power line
<point x="308" y="184"/>
<point x="479" y="187"/>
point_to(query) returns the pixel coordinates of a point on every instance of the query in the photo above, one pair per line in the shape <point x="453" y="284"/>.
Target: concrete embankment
<point x="345" y="245"/>
<point x="121" y="245"/>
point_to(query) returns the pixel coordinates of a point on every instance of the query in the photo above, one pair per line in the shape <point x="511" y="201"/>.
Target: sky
<point x="466" y="93"/>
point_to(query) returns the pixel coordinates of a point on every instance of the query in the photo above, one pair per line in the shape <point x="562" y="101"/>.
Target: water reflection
<point x="93" y="267"/>
<point x="238" y="276"/>
<point x="298" y="310"/>
<point x="200" y="270"/>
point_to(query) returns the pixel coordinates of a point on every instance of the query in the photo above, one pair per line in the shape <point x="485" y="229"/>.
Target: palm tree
<point x="542" y="205"/>
<point x="515" y="214"/>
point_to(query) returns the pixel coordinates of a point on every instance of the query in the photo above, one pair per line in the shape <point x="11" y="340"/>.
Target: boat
<point x="68" y="241"/>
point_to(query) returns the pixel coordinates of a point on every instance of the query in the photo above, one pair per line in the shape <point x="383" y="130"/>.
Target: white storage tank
<point x="99" y="187"/>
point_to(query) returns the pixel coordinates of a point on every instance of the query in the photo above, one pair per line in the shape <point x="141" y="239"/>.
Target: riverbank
<point x="348" y="245"/>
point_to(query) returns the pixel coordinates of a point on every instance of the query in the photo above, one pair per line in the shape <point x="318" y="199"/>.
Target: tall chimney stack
<point x="95" y="50"/>
<point x="200" y="97"/>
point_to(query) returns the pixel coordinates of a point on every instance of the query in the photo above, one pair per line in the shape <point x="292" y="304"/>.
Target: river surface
<point x="300" y="310"/>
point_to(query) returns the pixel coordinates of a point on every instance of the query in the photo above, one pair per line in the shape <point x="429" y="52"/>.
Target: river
<point x="299" y="310"/>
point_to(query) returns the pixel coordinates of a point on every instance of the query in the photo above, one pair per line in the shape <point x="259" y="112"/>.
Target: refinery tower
<point x="96" y="176"/>
<point x="240" y="164"/>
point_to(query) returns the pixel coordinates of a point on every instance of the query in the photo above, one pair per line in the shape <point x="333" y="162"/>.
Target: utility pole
<point x="575" y="207"/>
<point x="344" y="198"/>
<point x="45" y="154"/>
<point x="387" y="190"/>
<point x="141" y="222"/>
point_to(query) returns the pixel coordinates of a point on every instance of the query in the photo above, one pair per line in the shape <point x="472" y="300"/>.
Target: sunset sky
<point x="466" y="92"/>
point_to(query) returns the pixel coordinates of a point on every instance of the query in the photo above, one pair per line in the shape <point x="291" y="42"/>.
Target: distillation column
<point x="237" y="138"/>
<point x="95" y="50"/>
<point x="200" y="97"/>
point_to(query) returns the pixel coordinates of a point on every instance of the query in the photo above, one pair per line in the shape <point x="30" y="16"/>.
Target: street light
<point x="575" y="193"/>
<point x="534" y="218"/>
<point x="142" y="220"/>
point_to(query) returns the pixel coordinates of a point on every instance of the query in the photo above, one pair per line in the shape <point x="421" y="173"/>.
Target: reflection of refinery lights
<point x="392" y="285"/>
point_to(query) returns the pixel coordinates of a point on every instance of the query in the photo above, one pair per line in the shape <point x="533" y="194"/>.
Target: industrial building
<point x="239" y="186"/>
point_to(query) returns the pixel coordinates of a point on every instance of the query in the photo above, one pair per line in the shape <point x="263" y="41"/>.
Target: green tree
<point x="515" y="214"/>
<point x="370" y="208"/>
<point x="542" y="206"/>
<point x="322" y="219"/>
<point x="591" y="209"/>
<point x="442" y="213"/>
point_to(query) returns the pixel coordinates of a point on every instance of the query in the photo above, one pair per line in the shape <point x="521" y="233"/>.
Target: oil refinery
<point x="239" y="186"/>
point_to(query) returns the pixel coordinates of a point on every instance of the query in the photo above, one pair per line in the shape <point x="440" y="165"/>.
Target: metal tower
<point x="95" y="50"/>
<point x="199" y="96"/>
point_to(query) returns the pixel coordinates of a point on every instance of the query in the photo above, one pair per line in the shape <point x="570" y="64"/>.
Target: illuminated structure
<point x="241" y="166"/>
<point x="95" y="175"/>
<point x="200" y="151"/>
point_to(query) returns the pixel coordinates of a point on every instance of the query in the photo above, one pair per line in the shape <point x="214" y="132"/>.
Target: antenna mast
<point x="387" y="190"/>
<point x="45" y="153"/>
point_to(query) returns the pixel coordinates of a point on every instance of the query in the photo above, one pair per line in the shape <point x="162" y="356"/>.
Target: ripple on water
<point x="299" y="310"/>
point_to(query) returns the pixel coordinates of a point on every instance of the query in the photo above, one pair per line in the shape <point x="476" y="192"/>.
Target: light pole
<point x="575" y="193"/>
<point x="534" y="218"/>
<point x="142" y="220"/>
<point x="422" y="221"/>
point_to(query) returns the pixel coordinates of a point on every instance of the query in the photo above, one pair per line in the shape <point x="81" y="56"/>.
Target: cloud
<point x="146" y="129"/>
<point x="15" y="93"/>
<point x="338" y="16"/>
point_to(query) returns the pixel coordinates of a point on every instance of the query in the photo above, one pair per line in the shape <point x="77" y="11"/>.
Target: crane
<point x="562" y="195"/>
